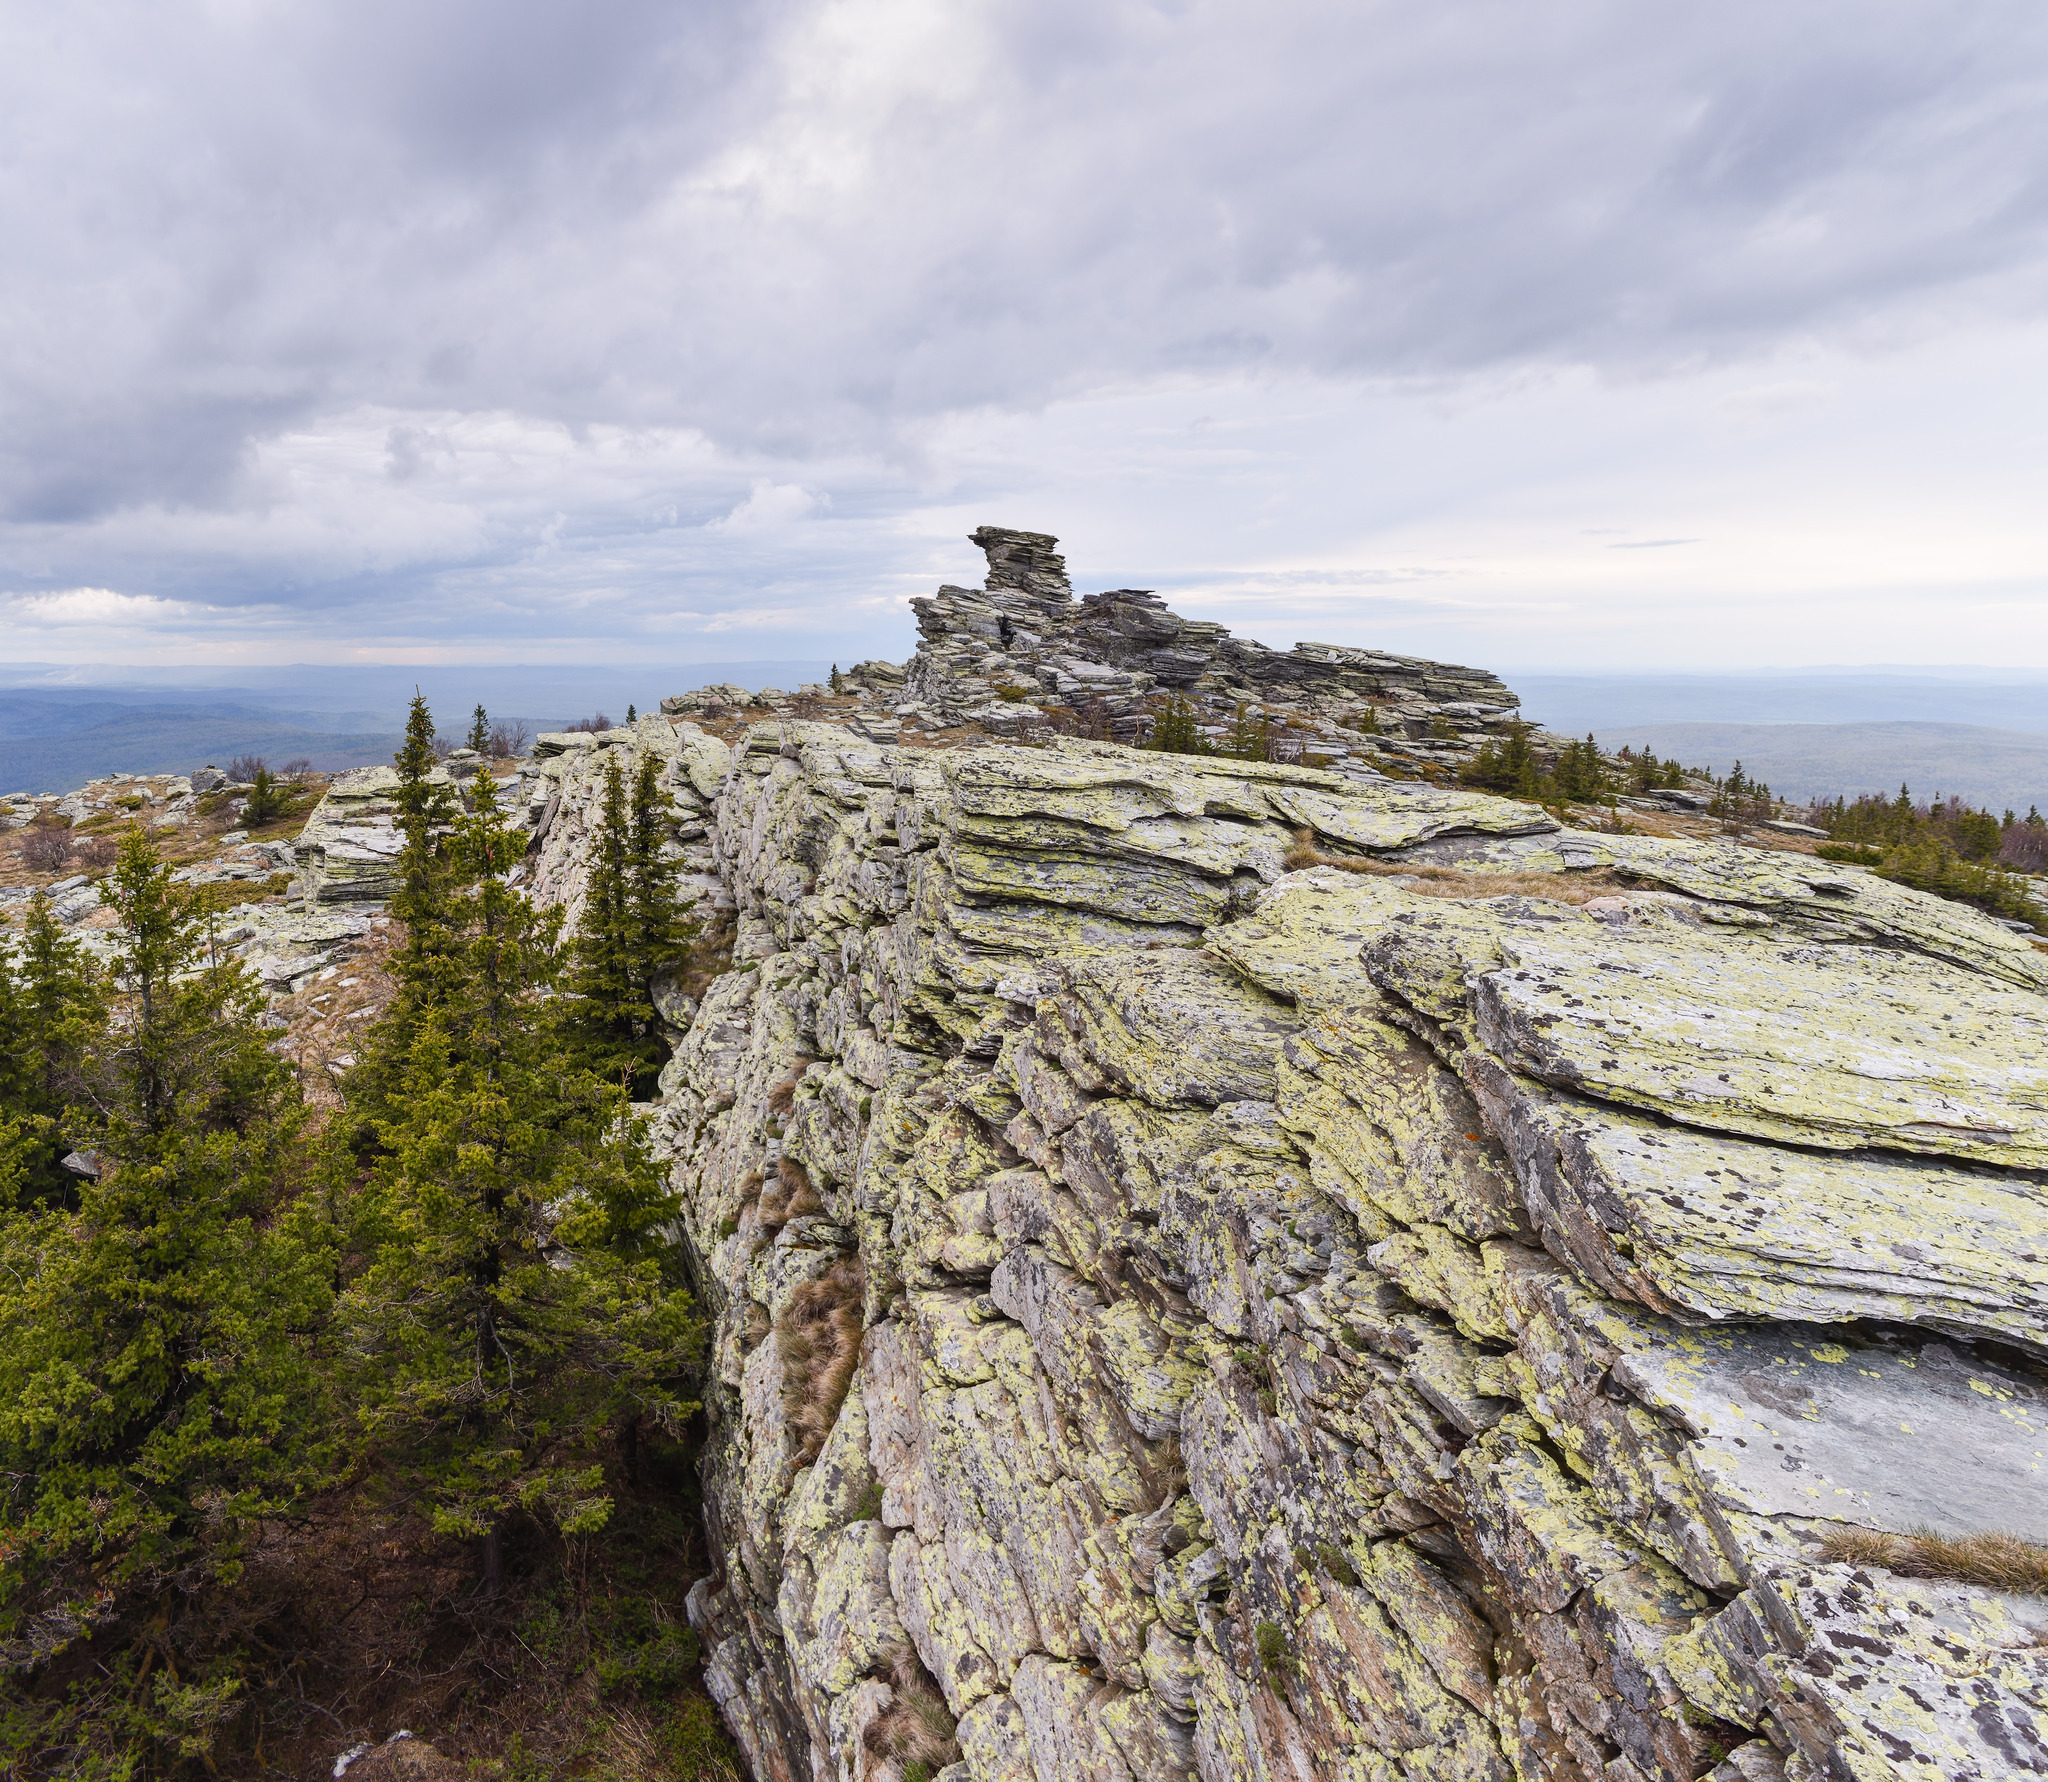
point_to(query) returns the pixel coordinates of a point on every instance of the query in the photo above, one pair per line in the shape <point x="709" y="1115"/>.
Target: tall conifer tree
<point x="632" y="927"/>
<point x="155" y="1393"/>
<point x="512" y="1309"/>
<point x="52" y="1004"/>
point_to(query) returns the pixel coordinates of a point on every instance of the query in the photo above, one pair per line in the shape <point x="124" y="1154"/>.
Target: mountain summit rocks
<point x="1022" y="647"/>
<point x="1430" y="1314"/>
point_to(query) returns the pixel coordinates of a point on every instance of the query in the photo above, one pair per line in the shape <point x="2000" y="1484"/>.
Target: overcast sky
<point x="1580" y="333"/>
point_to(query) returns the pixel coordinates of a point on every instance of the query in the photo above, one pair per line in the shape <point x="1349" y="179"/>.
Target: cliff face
<point x="1182" y="1315"/>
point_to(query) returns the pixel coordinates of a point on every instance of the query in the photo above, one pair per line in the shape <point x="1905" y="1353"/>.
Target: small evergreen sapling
<point x="479" y="730"/>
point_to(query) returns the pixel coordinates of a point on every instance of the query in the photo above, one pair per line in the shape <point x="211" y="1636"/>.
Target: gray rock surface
<point x="1021" y="647"/>
<point x="1312" y="1328"/>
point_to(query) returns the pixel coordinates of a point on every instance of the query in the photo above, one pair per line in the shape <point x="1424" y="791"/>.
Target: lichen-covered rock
<point x="1309" y="1327"/>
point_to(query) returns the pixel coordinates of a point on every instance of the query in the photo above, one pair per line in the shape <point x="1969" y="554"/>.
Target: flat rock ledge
<point x="1335" y="1324"/>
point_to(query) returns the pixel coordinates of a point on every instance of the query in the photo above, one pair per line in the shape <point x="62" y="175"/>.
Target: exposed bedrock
<point x="1177" y="1316"/>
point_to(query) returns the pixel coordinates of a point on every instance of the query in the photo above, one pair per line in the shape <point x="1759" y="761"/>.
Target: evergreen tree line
<point x="1177" y="729"/>
<point x="218" y="1303"/>
<point x="1946" y="846"/>
<point x="1575" y="773"/>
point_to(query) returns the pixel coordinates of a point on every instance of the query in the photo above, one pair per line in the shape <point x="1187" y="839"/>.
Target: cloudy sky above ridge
<point x="1586" y="333"/>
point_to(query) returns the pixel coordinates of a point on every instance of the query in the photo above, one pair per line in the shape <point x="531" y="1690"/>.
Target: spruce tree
<point x="479" y="729"/>
<point x="1506" y="763"/>
<point x="52" y="1006"/>
<point x="1176" y="729"/>
<point x="511" y="1309"/>
<point x="632" y="927"/>
<point x="662" y="924"/>
<point x="1250" y="737"/>
<point x="156" y="1397"/>
<point x="422" y="964"/>
<point x="613" y="1009"/>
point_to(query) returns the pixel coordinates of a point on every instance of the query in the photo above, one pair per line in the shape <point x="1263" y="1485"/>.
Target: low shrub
<point x="45" y="849"/>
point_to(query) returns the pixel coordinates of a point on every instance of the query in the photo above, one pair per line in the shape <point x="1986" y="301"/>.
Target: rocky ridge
<point x="1247" y="1269"/>
<point x="1183" y="1312"/>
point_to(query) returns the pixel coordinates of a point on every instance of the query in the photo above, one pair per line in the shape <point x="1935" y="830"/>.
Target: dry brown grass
<point x="791" y="1196"/>
<point x="782" y="1092"/>
<point x="1997" y="1561"/>
<point x="1450" y="881"/>
<point x="818" y="1336"/>
<point x="916" y="1730"/>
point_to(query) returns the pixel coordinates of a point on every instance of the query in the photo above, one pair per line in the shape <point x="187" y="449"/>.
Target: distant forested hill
<point x="2001" y="769"/>
<point x="45" y="747"/>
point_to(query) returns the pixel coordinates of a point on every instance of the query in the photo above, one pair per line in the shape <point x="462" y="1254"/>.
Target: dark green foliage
<point x="510" y="1311"/>
<point x="1580" y="774"/>
<point x="1510" y="763"/>
<point x="156" y="1398"/>
<point x="1739" y="794"/>
<point x="456" y="1303"/>
<point x="1507" y="763"/>
<point x="479" y="737"/>
<point x="1968" y="833"/>
<point x="52" y="1010"/>
<point x="633" y="927"/>
<point x="1945" y="847"/>
<point x="1643" y="772"/>
<point x="1927" y="864"/>
<point x="1250" y="736"/>
<point x="266" y="800"/>
<point x="836" y="682"/>
<point x="632" y="714"/>
<point x="424" y="964"/>
<point x="1176" y="729"/>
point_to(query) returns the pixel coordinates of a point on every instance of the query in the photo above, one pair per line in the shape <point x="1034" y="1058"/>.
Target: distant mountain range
<point x="1981" y="734"/>
<point x="2001" y="769"/>
<point x="1575" y="704"/>
<point x="169" y="739"/>
<point x="61" y="726"/>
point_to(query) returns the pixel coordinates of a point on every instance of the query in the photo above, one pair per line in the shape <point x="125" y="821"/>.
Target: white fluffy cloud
<point x="571" y="326"/>
<point x="95" y="609"/>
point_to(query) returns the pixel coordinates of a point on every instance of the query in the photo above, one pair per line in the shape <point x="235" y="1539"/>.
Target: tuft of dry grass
<point x="1449" y="881"/>
<point x="916" y="1730"/>
<point x="818" y="1336"/>
<point x="791" y="1196"/>
<point x="1996" y="1561"/>
<point x="782" y="1092"/>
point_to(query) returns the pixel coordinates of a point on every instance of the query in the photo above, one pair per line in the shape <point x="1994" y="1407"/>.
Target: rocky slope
<point x="1180" y="1315"/>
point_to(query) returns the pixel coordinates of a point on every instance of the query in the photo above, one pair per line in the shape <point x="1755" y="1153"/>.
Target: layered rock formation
<point x="1185" y="1309"/>
<point x="1022" y="657"/>
<point x="1234" y="1269"/>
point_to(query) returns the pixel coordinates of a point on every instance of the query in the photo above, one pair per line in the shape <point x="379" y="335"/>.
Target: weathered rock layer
<point x="1178" y="1316"/>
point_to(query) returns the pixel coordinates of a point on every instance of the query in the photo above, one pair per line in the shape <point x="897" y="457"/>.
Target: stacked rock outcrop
<point x="1021" y="653"/>
<point x="1184" y="1309"/>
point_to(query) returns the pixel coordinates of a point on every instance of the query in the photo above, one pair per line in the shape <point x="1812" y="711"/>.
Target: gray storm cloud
<point x="800" y="235"/>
